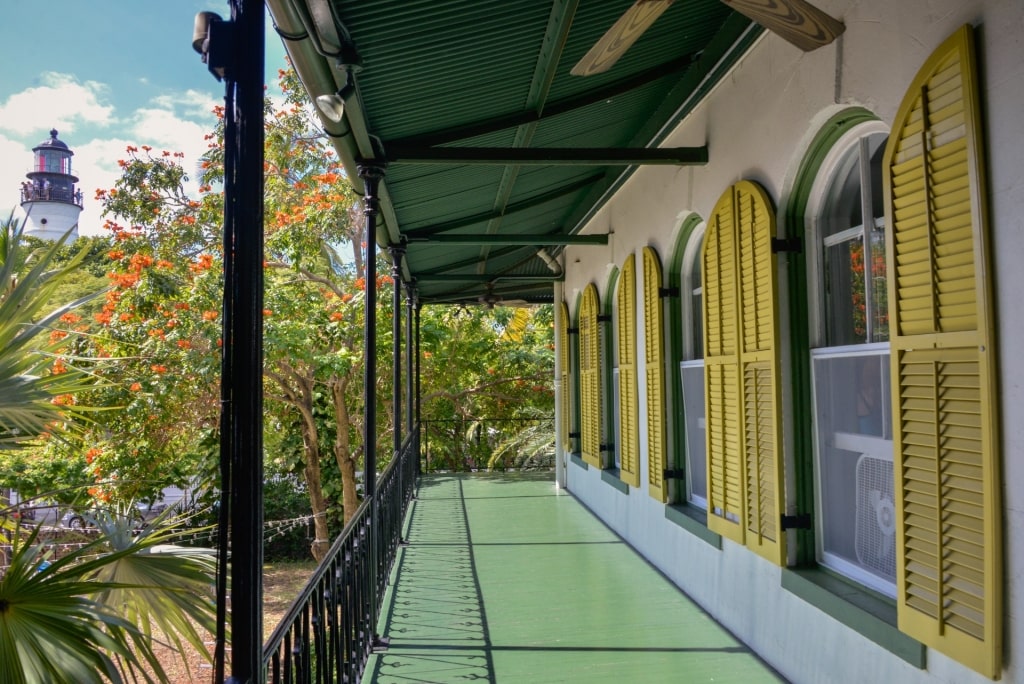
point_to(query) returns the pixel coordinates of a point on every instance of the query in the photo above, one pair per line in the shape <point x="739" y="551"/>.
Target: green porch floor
<point x="507" y="580"/>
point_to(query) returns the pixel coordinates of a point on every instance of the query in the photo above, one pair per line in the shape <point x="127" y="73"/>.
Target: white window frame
<point x="855" y="137"/>
<point x="693" y="250"/>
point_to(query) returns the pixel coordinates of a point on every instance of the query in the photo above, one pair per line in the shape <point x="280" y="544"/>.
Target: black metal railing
<point x="31" y="193"/>
<point x="328" y="633"/>
<point x="470" y="444"/>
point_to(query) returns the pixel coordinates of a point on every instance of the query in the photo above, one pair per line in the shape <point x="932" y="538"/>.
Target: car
<point x="148" y="512"/>
<point x="75" y="520"/>
<point x="142" y="513"/>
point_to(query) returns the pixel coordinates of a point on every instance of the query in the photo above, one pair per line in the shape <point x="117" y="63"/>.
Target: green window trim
<point x="831" y="132"/>
<point x="871" y="615"/>
<point x="677" y="458"/>
<point x="694" y="520"/>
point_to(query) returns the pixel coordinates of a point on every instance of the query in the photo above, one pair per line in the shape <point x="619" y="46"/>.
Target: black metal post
<point x="396" y="338"/>
<point x="419" y="465"/>
<point x="410" y="420"/>
<point x="242" y="440"/>
<point x="371" y="173"/>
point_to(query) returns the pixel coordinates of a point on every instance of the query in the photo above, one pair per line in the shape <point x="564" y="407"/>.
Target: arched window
<point x="691" y="370"/>
<point x="850" y="362"/>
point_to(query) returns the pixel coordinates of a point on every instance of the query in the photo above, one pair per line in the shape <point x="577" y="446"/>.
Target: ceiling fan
<point x="797" y="21"/>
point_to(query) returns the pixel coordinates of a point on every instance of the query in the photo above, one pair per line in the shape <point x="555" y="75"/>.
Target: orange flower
<point x="184" y="344"/>
<point x="91" y="454"/>
<point x="360" y="283"/>
<point x="135" y="386"/>
<point x="59" y="367"/>
<point x="158" y="368"/>
<point x="268" y="312"/>
<point x="336" y="316"/>
<point x="210" y="315"/>
<point x="103" y="318"/>
<point x="346" y="297"/>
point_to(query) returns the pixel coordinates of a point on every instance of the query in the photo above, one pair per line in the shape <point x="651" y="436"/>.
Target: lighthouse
<point x="49" y="198"/>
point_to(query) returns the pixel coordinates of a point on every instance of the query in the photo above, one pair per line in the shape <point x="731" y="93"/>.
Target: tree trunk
<point x="317" y="501"/>
<point x="343" y="448"/>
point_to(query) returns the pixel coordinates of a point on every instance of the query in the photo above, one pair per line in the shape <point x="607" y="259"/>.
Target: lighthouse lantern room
<point x="49" y="198"/>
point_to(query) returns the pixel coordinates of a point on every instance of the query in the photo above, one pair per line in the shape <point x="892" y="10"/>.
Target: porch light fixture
<point x="333" y="104"/>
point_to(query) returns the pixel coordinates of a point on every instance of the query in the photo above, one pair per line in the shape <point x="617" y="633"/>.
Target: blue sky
<point x="105" y="74"/>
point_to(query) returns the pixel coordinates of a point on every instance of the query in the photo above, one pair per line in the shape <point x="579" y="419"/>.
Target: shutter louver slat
<point x="563" y="350"/>
<point x="654" y="364"/>
<point x="740" y="366"/>
<point x="590" y="378"/>
<point x="629" y="450"/>
<point x="948" y="584"/>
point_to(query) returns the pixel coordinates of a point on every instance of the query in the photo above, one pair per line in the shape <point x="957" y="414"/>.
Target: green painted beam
<point x="485" y="278"/>
<point x="549" y="156"/>
<point x="516" y="207"/>
<point x="499" y="239"/>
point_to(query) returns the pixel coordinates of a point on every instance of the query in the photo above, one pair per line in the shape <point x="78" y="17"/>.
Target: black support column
<point x="410" y="304"/>
<point x="242" y="355"/>
<point x="371" y="173"/>
<point x="397" y="251"/>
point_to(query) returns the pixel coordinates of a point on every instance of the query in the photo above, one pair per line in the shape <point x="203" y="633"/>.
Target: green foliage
<point x="89" y="616"/>
<point x="37" y="385"/>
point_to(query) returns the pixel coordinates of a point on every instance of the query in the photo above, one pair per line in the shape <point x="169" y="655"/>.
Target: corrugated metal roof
<point x="473" y="74"/>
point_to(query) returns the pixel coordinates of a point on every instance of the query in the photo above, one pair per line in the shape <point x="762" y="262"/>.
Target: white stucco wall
<point x="757" y="124"/>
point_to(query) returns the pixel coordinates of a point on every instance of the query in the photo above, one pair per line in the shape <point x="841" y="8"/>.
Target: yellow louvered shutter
<point x="655" y="373"/>
<point x="944" y="408"/>
<point x="563" y="355"/>
<point x="590" y="379"/>
<point x="741" y="372"/>
<point x="629" y="450"/>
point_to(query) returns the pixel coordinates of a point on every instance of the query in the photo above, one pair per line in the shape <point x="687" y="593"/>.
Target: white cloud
<point x="192" y="103"/>
<point x="17" y="160"/>
<point x="61" y="102"/>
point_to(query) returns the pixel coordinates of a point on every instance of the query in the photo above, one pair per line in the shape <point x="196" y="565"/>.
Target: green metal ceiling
<point x="494" y="150"/>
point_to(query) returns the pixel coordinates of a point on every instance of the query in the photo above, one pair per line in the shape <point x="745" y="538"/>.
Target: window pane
<point x="854" y="466"/>
<point x="843" y="199"/>
<point x="693" y="407"/>
<point x="696" y="310"/>
<point x="845" y="321"/>
<point x="878" y="307"/>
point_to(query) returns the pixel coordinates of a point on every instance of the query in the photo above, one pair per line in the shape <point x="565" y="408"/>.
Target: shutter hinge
<point x="608" y="448"/>
<point x="664" y="292"/>
<point x="573" y="331"/>
<point x="800" y="521"/>
<point x="792" y="244"/>
<point x="604" y="318"/>
<point x="574" y="435"/>
<point x="672" y="474"/>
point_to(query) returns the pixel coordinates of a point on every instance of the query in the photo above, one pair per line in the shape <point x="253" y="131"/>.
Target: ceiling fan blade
<point x="623" y="33"/>
<point x="797" y="21"/>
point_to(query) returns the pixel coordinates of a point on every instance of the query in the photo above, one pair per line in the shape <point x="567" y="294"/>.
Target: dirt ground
<point x="281" y="583"/>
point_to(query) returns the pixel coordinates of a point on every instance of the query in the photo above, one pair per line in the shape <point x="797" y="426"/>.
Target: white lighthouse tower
<point x="49" y="198"/>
